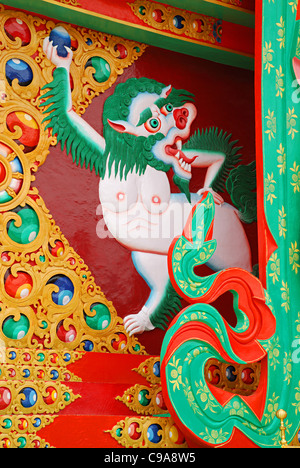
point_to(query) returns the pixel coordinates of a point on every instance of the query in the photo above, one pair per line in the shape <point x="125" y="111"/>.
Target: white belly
<point x="143" y="215"/>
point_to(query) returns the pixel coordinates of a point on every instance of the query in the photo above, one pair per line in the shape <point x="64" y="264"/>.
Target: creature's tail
<point x="169" y="306"/>
<point x="206" y="414"/>
<point x="215" y="140"/>
<point x="240" y="181"/>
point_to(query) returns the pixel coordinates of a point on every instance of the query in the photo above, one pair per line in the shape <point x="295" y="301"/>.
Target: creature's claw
<point x="216" y="196"/>
<point x="138" y="323"/>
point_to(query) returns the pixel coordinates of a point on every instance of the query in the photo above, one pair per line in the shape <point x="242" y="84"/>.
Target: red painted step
<point x="81" y="432"/>
<point x="83" y="423"/>
<point x="108" y="368"/>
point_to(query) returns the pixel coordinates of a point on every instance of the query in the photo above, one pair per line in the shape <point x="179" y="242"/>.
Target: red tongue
<point x="173" y="150"/>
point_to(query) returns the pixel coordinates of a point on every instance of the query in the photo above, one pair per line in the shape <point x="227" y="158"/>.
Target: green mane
<point x="127" y="152"/>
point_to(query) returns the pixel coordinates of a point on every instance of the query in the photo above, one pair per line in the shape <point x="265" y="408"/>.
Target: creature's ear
<point x="166" y="91"/>
<point x="122" y="126"/>
<point x="296" y="66"/>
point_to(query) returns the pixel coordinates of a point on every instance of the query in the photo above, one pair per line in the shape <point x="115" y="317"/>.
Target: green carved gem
<point x="142" y="397"/>
<point x="102" y="69"/>
<point x="29" y="228"/>
<point x="16" y="329"/>
<point x="22" y="442"/>
<point x="100" y="318"/>
<point x="7" y="423"/>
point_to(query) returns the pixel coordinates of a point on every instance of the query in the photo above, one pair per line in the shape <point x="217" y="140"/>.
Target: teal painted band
<point x="137" y="33"/>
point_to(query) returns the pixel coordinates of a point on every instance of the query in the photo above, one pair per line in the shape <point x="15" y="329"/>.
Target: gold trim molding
<point x="179" y="22"/>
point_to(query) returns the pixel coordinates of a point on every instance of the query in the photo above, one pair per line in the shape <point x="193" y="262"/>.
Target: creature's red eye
<point x="121" y="196"/>
<point x="153" y="125"/>
<point x="156" y="200"/>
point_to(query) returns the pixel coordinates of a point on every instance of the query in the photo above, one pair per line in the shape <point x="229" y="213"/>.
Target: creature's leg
<point x="154" y="269"/>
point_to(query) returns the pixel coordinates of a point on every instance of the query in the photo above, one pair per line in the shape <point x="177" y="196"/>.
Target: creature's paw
<point x="57" y="48"/>
<point x="138" y="323"/>
<point x="217" y="198"/>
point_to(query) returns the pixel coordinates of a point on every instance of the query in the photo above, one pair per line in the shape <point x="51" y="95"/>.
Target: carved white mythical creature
<point x="145" y="126"/>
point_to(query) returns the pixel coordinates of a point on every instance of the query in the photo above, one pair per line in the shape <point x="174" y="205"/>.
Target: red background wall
<point x="224" y="99"/>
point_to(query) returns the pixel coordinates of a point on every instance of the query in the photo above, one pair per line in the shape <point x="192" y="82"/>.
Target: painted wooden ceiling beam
<point x="242" y="12"/>
<point x="219" y="40"/>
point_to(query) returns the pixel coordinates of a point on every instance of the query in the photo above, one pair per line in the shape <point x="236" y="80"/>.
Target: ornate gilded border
<point x="37" y="263"/>
<point x="178" y="22"/>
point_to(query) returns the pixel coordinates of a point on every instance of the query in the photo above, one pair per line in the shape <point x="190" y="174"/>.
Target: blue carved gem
<point x="178" y="22"/>
<point x="29" y="397"/>
<point x="37" y="422"/>
<point x="230" y="373"/>
<point x="65" y="290"/>
<point x="153" y="433"/>
<point x="54" y="374"/>
<point x="20" y="70"/>
<point x="156" y="369"/>
<point x="88" y="345"/>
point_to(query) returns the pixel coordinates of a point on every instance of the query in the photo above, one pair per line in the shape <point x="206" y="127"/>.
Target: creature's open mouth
<point x="175" y="150"/>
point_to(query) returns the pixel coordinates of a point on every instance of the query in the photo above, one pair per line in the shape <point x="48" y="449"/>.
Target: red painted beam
<point x="109" y="368"/>
<point x="238" y="38"/>
<point x="234" y="36"/>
